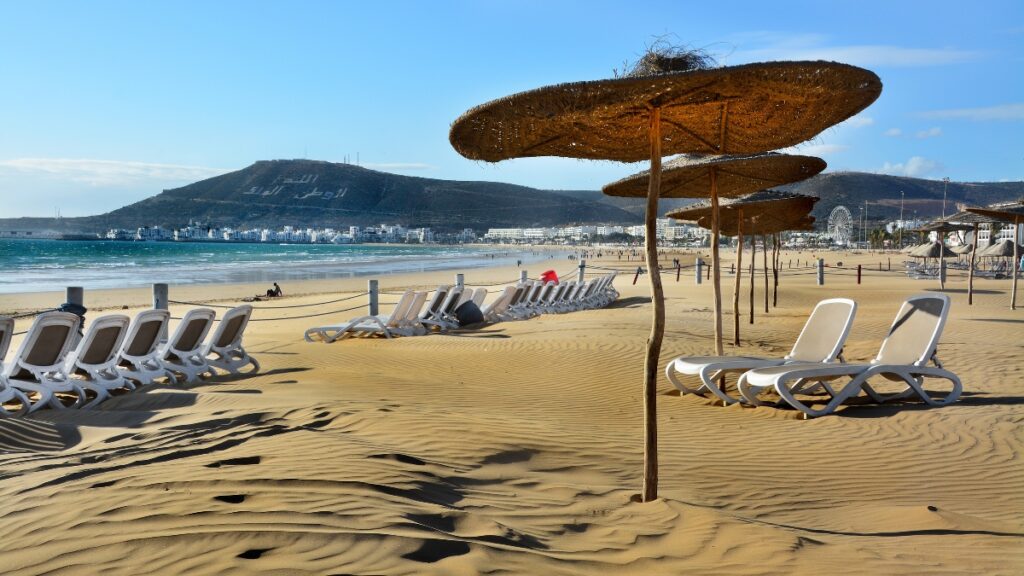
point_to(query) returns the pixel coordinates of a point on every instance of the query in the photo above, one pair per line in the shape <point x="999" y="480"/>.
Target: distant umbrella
<point x="667" y="106"/>
<point x="1008" y="212"/>
<point x="764" y="212"/>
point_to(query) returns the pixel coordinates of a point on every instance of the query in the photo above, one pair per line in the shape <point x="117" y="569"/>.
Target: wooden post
<point x="652" y="360"/>
<point x="75" y="295"/>
<point x="736" y="283"/>
<point x="821" y="271"/>
<point x="583" y="269"/>
<point x="679" y="270"/>
<point x="942" y="273"/>
<point x="776" y="265"/>
<point x="764" y="262"/>
<point x="716" y="264"/>
<point x="1016" y="263"/>
<point x="700" y="271"/>
<point x="858" y="273"/>
<point x="753" y="270"/>
<point x="161" y="295"/>
<point x="523" y="277"/>
<point x="970" y="269"/>
<point x="460" y="280"/>
<point x="374" y="297"/>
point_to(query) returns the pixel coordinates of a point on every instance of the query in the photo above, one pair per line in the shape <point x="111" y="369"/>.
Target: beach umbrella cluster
<point x="763" y="212"/>
<point x="1012" y="212"/>
<point x="974" y="221"/>
<point x="720" y="176"/>
<point x="671" y="102"/>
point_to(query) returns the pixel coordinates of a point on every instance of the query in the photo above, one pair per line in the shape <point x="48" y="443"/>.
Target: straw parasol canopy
<point x="672" y="104"/>
<point x="910" y="249"/>
<point x="975" y="221"/>
<point x="932" y="250"/>
<point x="1007" y="212"/>
<point x="689" y="176"/>
<point x="943" y="227"/>
<point x="962" y="249"/>
<point x="763" y="212"/>
<point x="730" y="110"/>
<point x="1002" y="249"/>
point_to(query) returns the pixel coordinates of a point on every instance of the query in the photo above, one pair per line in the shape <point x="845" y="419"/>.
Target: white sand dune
<point x="516" y="449"/>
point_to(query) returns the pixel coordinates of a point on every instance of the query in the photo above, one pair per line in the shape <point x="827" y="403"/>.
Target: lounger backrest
<point x="531" y="294"/>
<point x="144" y="333"/>
<point x="231" y="327"/>
<point x="436" y="301"/>
<point x="453" y="300"/>
<point x="401" y="309"/>
<point x="543" y="293"/>
<point x="825" y="331"/>
<point x="102" y="340"/>
<point x="412" y="314"/>
<point x="915" y="332"/>
<point x="192" y="330"/>
<point x="45" y="346"/>
<point x="503" y="300"/>
<point x="6" y="333"/>
<point x="517" y="294"/>
<point x="479" y="295"/>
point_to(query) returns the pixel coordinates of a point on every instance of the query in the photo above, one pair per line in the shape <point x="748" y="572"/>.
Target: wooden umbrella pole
<point x="775" y="269"/>
<point x="1016" y="263"/>
<point x="716" y="265"/>
<point x="970" y="269"/>
<point x="739" y="276"/>
<point x="764" y="254"/>
<point x="650" y="489"/>
<point x="753" y="269"/>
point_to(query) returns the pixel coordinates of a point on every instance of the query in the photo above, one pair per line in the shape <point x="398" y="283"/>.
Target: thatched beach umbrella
<point x="764" y="212"/>
<point x="935" y="250"/>
<point x="667" y="107"/>
<point x="691" y="176"/>
<point x="974" y="220"/>
<point x="1008" y="212"/>
<point x="962" y="249"/>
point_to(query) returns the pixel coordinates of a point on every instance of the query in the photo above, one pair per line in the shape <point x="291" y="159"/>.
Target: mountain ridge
<point x="274" y="193"/>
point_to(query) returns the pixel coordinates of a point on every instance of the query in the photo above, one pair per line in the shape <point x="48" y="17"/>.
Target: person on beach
<point x="275" y="292"/>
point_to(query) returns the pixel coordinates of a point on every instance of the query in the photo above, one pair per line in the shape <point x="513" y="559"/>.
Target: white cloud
<point x="893" y="132"/>
<point x="107" y="172"/>
<point x="816" y="149"/>
<point x="858" y="121"/>
<point x="761" y="46"/>
<point x="400" y="166"/>
<point x="1001" y="112"/>
<point x="933" y="132"/>
<point x="915" y="167"/>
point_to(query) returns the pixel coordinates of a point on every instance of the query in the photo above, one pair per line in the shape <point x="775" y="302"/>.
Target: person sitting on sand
<point x="275" y="292"/>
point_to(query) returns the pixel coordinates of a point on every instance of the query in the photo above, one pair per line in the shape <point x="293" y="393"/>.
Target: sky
<point x="104" y="103"/>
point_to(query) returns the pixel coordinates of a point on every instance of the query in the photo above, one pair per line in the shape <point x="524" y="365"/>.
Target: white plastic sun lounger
<point x="183" y="353"/>
<point x="903" y="357"/>
<point x="95" y="358"/>
<point x="478" y="296"/>
<point x="820" y="341"/>
<point x="366" y="325"/>
<point x="433" y="308"/>
<point x="224" y="351"/>
<point x="139" y="358"/>
<point x="8" y="393"/>
<point x="444" y="318"/>
<point x="38" y="367"/>
<point x="495" y="308"/>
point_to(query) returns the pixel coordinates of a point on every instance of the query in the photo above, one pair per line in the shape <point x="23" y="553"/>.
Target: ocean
<point x="50" y="265"/>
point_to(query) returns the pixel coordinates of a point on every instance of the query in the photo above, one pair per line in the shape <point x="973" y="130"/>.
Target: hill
<point x="273" y="193"/>
<point x="314" y="193"/>
<point x="922" y="198"/>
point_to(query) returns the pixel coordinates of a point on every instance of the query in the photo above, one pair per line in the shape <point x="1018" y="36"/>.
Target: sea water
<point x="49" y="265"/>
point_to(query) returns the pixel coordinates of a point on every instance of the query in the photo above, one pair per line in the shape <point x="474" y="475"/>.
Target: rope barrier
<point x="269" y="307"/>
<point x="292" y="317"/>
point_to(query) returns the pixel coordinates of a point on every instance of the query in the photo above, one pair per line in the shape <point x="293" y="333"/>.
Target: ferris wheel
<point x="840" y="225"/>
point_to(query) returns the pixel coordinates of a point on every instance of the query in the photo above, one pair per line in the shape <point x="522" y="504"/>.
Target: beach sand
<point x="517" y="449"/>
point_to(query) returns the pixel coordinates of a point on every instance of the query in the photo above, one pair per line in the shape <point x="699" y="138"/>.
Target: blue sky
<point x="105" y="103"/>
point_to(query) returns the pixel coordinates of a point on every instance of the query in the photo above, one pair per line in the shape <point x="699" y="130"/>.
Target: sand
<point x="516" y="449"/>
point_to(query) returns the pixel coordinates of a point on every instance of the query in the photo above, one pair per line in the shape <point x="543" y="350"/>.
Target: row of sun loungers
<point x="815" y="364"/>
<point x="414" y="315"/>
<point x="55" y="367"/>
